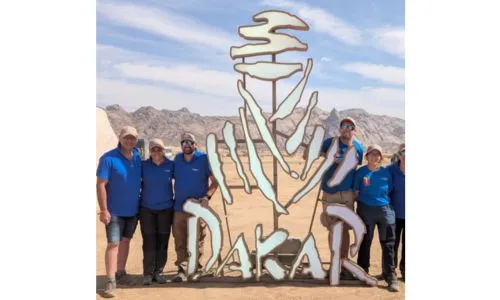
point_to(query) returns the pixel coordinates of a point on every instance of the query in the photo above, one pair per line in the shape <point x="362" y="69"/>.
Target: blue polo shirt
<point x="124" y="181"/>
<point x="191" y="178"/>
<point x="157" y="188"/>
<point x="373" y="186"/>
<point x="346" y="184"/>
<point x="398" y="192"/>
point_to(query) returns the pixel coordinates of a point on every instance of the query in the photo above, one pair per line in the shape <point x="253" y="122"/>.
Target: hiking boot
<point x="180" y="277"/>
<point x="109" y="290"/>
<point x="379" y="277"/>
<point x="393" y="286"/>
<point x="159" y="278"/>
<point x="148" y="280"/>
<point x="122" y="278"/>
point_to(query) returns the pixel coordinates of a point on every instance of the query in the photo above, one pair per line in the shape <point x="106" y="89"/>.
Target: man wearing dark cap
<point x="343" y="193"/>
<point x="192" y="175"/>
<point x="118" y="192"/>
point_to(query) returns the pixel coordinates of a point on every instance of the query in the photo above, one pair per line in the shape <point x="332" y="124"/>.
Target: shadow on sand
<point x="208" y="281"/>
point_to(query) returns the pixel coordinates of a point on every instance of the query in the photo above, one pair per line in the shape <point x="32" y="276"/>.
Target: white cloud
<point x="191" y="77"/>
<point x="390" y="39"/>
<point x="383" y="101"/>
<point x="387" y="74"/>
<point x="322" y="21"/>
<point x="134" y="95"/>
<point x="163" y="23"/>
<point x="174" y="85"/>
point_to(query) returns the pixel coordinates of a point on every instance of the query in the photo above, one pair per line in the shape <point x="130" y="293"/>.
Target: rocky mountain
<point x="386" y="131"/>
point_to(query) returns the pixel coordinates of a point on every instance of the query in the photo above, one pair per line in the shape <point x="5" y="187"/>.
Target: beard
<point x="187" y="150"/>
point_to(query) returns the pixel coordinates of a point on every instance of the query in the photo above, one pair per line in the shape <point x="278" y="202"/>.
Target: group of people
<point x="130" y="190"/>
<point x="379" y="194"/>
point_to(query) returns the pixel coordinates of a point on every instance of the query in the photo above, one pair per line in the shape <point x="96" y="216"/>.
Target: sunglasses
<point x="345" y="126"/>
<point x="156" y="149"/>
<point x="187" y="142"/>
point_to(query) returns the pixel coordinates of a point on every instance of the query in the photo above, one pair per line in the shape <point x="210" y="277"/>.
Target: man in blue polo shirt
<point x="192" y="174"/>
<point x="342" y="193"/>
<point x="118" y="191"/>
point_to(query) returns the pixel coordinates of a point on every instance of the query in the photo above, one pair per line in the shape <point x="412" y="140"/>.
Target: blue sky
<point x="174" y="54"/>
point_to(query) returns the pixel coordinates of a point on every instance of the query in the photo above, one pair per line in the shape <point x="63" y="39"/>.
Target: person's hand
<point x="105" y="217"/>
<point x="204" y="202"/>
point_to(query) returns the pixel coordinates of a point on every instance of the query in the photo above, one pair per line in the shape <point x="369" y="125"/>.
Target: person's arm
<point x="212" y="188"/>
<point x="104" y="214"/>
<point x="103" y="171"/>
<point x="214" y="185"/>
<point x="357" y="184"/>
<point x="322" y="152"/>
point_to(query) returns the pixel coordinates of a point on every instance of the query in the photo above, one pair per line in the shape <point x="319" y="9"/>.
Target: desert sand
<point x="244" y="214"/>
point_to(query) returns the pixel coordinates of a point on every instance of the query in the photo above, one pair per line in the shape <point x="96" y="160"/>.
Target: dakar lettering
<point x="275" y="239"/>
<point x="265" y="258"/>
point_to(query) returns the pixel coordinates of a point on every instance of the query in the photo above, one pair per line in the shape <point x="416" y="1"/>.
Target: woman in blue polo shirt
<point x="373" y="184"/>
<point x="397" y="195"/>
<point x="156" y="211"/>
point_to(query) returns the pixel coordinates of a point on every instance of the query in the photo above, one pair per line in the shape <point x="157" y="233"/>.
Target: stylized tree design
<point x="274" y="43"/>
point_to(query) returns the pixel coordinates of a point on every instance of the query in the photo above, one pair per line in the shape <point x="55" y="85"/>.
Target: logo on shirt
<point x="196" y="170"/>
<point x="385" y="178"/>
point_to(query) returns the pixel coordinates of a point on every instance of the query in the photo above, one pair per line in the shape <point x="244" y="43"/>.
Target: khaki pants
<point x="180" y="230"/>
<point x="345" y="198"/>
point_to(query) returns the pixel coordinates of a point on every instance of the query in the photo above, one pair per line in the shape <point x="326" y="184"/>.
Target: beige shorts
<point x="344" y="198"/>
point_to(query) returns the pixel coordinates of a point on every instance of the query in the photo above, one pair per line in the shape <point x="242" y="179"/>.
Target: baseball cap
<point x="374" y="147"/>
<point x="349" y="119"/>
<point x="129" y="130"/>
<point x="186" y="136"/>
<point x="156" y="143"/>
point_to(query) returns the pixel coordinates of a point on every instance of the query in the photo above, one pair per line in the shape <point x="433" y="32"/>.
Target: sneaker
<point x="180" y="277"/>
<point x="159" y="278"/>
<point x="379" y="277"/>
<point x="196" y="276"/>
<point x="122" y="278"/>
<point x="109" y="290"/>
<point x="394" y="286"/>
<point x="148" y="280"/>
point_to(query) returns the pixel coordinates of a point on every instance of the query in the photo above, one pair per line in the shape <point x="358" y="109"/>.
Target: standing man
<point x="192" y="174"/>
<point x="397" y="195"/>
<point x="118" y="192"/>
<point x="343" y="193"/>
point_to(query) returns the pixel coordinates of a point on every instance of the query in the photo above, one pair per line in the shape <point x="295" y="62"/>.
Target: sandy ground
<point x="244" y="214"/>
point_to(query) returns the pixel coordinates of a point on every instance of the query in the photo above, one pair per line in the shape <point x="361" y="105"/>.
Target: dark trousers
<point x="384" y="218"/>
<point x="155" y="230"/>
<point x="400" y="231"/>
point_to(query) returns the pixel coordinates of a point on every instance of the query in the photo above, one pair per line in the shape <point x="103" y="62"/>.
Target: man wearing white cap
<point x="118" y="191"/>
<point x="342" y="193"/>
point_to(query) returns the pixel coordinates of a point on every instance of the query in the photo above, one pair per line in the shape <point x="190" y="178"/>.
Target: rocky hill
<point x="168" y="125"/>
